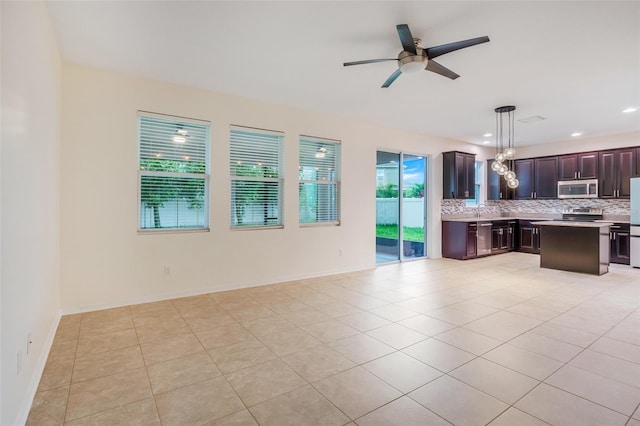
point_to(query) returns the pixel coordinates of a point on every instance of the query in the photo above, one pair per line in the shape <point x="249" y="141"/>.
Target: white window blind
<point x="256" y="178"/>
<point x="173" y="173"/>
<point x="319" y="181"/>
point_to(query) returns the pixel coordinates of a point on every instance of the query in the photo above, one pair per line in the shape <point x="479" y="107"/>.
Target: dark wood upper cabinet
<point x="497" y="188"/>
<point x="538" y="178"/>
<point x="459" y="175"/>
<point x="546" y="178"/>
<point x="616" y="168"/>
<point x="525" y="173"/>
<point x="578" y="166"/>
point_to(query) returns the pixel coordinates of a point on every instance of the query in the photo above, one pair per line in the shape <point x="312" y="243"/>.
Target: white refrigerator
<point x="635" y="222"/>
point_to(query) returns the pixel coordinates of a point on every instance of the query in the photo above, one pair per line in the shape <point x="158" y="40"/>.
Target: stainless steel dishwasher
<point x="484" y="238"/>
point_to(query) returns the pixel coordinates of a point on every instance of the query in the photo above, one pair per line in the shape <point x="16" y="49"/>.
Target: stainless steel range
<point x="582" y="214"/>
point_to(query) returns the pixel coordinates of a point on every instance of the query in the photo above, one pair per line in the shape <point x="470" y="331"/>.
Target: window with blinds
<point x="173" y="173"/>
<point x="319" y="181"/>
<point x="256" y="178"/>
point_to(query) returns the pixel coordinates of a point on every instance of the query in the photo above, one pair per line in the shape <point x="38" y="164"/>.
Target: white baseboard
<point x="206" y="290"/>
<point x="27" y="401"/>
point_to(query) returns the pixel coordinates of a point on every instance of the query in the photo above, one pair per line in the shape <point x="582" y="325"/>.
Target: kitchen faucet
<point x="478" y="210"/>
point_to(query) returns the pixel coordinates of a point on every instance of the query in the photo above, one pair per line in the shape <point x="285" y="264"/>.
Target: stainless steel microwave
<point x="587" y="188"/>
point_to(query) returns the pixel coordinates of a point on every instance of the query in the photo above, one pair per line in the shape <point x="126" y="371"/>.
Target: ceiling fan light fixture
<point x="412" y="64"/>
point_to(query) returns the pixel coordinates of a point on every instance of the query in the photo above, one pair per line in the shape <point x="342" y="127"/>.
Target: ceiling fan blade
<point x="406" y="38"/>
<point x="392" y="78"/>
<point x="433" y="66"/>
<point x="368" y="61"/>
<point x="434" y="52"/>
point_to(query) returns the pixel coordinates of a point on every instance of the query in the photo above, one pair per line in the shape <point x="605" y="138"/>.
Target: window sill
<point x="318" y="224"/>
<point x="172" y="231"/>
<point x="255" y="228"/>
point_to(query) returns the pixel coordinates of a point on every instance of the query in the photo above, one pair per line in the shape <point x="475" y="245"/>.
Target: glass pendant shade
<point x="503" y="169"/>
<point x="500" y="157"/>
<point x="513" y="183"/>
<point x="509" y="153"/>
<point x="510" y="175"/>
<point x="495" y="165"/>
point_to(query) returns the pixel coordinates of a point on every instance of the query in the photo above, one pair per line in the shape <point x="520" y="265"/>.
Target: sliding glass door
<point x="413" y="206"/>
<point x="400" y="206"/>
<point x="387" y="207"/>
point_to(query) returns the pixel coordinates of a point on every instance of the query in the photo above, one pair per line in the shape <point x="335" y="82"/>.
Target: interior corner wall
<point x="105" y="262"/>
<point x="30" y="228"/>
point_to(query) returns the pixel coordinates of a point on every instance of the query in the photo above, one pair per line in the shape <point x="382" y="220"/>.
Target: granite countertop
<point x="523" y="217"/>
<point x="492" y="218"/>
<point x="572" y="224"/>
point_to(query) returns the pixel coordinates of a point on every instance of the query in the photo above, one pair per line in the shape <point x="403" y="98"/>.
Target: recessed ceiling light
<point x="487" y="135"/>
<point x="630" y="109"/>
<point x="576" y="134"/>
<point x="486" y="142"/>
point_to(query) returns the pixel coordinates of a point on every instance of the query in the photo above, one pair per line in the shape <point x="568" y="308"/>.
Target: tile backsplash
<point x="612" y="209"/>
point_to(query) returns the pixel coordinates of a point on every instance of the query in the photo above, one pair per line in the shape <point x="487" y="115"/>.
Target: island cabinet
<point x="578" y="166"/>
<point x="575" y="246"/>
<point x="459" y="175"/>
<point x="538" y="178"/>
<point x="497" y="188"/>
<point x="616" y="167"/>
<point x="459" y="240"/>
<point x="620" y="243"/>
<point x="528" y="237"/>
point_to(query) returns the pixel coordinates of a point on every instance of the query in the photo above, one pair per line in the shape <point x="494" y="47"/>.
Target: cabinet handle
<point x="500" y="195"/>
<point x="611" y="235"/>
<point x="578" y="175"/>
<point x="575" y="175"/>
<point x="532" y="195"/>
<point x="466" y="193"/>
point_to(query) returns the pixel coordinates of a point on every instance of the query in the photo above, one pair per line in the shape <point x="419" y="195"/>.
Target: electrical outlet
<point x="339" y="252"/>
<point x="167" y="270"/>
<point x="19" y="362"/>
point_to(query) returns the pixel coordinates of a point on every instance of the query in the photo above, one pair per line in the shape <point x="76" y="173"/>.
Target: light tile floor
<point x="487" y="341"/>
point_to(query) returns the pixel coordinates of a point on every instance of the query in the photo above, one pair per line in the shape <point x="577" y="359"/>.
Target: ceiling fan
<point x="413" y="57"/>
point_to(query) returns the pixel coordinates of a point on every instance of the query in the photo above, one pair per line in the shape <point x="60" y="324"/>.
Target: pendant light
<point x="505" y="145"/>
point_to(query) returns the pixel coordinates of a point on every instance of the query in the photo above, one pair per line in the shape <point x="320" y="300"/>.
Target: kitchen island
<point x="574" y="246"/>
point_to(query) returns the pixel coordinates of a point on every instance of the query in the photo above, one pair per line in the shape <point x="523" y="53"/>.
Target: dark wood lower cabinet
<point x="459" y="240"/>
<point x="529" y="237"/>
<point x="620" y="243"/>
<point x="499" y="237"/>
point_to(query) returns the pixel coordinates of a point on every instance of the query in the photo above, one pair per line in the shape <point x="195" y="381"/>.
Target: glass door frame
<point x="426" y="204"/>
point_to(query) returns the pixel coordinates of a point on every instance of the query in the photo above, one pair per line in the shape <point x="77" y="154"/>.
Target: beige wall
<point x="105" y="262"/>
<point x="30" y="200"/>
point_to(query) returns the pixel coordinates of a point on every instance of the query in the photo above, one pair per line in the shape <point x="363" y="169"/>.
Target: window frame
<point x="206" y="176"/>
<point x="279" y="179"/>
<point x="479" y="179"/>
<point x="337" y="166"/>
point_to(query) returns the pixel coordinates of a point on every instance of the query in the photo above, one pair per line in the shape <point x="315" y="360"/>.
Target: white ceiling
<point x="575" y="63"/>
